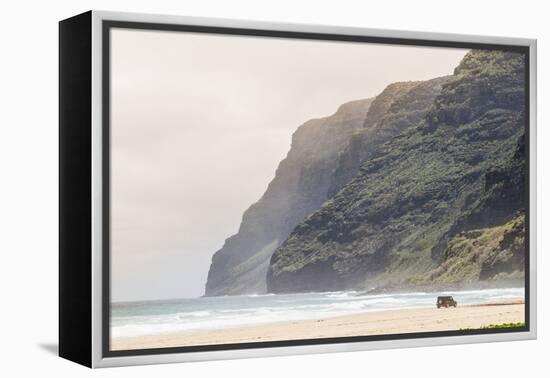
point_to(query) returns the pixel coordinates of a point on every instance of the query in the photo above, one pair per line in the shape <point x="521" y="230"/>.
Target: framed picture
<point x="233" y="189"/>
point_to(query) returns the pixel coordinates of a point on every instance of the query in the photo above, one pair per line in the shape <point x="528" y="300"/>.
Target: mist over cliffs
<point x="299" y="187"/>
<point x="423" y="184"/>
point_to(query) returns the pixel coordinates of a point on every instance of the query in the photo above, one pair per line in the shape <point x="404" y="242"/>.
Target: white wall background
<point x="28" y="190"/>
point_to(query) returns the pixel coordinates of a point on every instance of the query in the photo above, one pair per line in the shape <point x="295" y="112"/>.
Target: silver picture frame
<point x="99" y="357"/>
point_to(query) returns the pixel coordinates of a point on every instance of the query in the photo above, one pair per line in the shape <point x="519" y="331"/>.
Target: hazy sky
<point x="199" y="124"/>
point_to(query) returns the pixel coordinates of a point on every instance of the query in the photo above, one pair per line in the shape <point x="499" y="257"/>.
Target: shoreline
<point x="396" y="321"/>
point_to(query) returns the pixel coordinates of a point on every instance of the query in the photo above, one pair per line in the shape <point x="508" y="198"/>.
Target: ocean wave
<point x="199" y="314"/>
<point x="260" y="295"/>
<point x="342" y="294"/>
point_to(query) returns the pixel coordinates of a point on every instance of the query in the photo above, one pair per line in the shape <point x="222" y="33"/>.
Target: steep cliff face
<point x="503" y="194"/>
<point x="325" y="154"/>
<point x="483" y="243"/>
<point x="300" y="186"/>
<point x="393" y="221"/>
<point x="398" y="106"/>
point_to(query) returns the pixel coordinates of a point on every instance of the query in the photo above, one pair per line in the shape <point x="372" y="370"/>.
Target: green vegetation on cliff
<point x="486" y="254"/>
<point x="452" y="170"/>
<point x="398" y="106"/>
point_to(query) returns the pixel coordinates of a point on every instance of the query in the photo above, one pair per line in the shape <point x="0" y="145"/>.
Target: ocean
<point x="191" y="314"/>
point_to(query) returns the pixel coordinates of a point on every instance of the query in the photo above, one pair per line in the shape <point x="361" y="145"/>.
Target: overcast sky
<point x="199" y="124"/>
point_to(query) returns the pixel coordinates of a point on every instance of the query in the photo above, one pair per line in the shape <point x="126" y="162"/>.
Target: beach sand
<point x="361" y="324"/>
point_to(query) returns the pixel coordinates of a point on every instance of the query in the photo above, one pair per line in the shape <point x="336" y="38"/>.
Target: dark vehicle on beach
<point x="447" y="301"/>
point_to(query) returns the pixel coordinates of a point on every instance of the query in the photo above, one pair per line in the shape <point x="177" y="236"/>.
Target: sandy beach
<point x="369" y="323"/>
